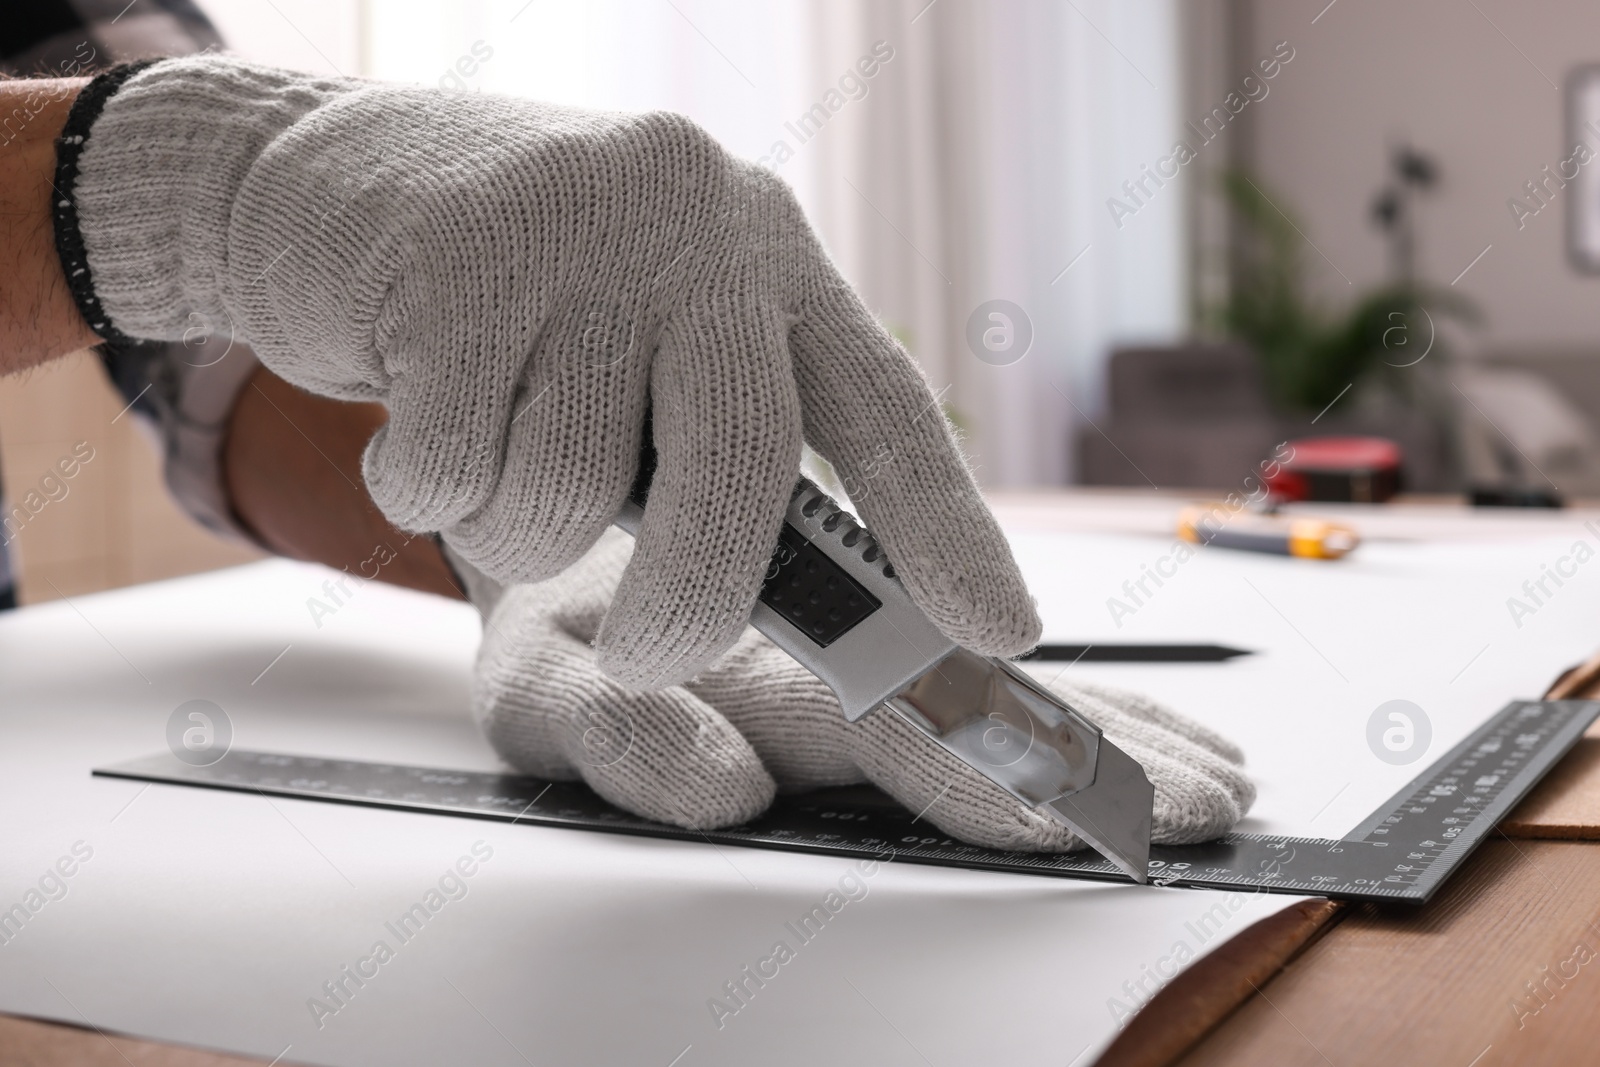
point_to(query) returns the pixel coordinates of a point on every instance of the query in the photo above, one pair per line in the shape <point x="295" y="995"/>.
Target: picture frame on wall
<point x="1583" y="198"/>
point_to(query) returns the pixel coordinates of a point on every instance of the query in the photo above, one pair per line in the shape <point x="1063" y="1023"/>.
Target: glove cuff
<point x="148" y="167"/>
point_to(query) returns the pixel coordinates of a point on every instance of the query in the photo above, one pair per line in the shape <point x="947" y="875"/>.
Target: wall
<point x="114" y="525"/>
<point x="321" y="36"/>
<point x="1478" y="86"/>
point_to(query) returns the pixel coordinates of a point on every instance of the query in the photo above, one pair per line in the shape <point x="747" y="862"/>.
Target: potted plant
<point x="1377" y="364"/>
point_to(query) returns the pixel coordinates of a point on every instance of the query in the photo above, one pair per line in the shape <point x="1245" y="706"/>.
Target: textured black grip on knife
<point x="647" y="466"/>
<point x="812" y="592"/>
<point x="807" y="589"/>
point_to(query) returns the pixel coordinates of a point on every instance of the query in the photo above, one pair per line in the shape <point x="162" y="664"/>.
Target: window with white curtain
<point x="976" y="162"/>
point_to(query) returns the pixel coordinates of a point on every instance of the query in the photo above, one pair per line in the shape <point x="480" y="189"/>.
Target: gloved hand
<point x="712" y="752"/>
<point x="519" y="283"/>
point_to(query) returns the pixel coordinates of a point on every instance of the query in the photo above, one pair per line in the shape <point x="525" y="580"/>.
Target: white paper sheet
<point x="216" y="918"/>
<point x="1430" y="624"/>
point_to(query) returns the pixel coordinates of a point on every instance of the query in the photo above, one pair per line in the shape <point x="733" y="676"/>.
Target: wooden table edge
<point x="1203" y="996"/>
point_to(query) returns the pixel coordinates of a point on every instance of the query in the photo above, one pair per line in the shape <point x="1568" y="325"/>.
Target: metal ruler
<point x="1403" y="851"/>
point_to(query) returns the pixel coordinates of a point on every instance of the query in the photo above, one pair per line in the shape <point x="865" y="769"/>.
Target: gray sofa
<point x="1197" y="417"/>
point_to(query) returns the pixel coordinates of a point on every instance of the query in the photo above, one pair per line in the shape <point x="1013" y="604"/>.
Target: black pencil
<point x="1124" y="653"/>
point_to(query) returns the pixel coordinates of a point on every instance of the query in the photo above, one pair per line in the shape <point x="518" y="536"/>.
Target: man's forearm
<point x="38" y="319"/>
<point x="293" y="469"/>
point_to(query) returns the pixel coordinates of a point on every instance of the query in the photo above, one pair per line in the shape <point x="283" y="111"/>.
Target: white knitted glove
<point x="713" y="752"/>
<point x="520" y="283"/>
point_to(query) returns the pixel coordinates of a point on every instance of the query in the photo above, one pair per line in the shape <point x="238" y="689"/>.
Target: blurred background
<point x="1132" y="243"/>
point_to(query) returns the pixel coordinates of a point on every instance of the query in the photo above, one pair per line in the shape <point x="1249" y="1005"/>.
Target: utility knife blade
<point x="831" y="600"/>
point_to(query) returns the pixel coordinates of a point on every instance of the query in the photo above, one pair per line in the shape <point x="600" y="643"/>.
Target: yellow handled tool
<point x="1306" y="538"/>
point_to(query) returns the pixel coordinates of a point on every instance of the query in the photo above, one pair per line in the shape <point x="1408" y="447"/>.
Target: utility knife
<point x="832" y="601"/>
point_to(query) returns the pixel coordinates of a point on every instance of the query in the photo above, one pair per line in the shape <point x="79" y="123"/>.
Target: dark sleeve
<point x="72" y="38"/>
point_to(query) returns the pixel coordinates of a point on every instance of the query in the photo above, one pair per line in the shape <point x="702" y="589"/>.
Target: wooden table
<point x="1503" y="967"/>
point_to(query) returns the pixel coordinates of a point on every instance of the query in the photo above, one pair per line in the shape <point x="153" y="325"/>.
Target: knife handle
<point x="830" y="598"/>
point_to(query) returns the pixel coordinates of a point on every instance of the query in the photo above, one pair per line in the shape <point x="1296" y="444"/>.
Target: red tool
<point x="1361" y="470"/>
